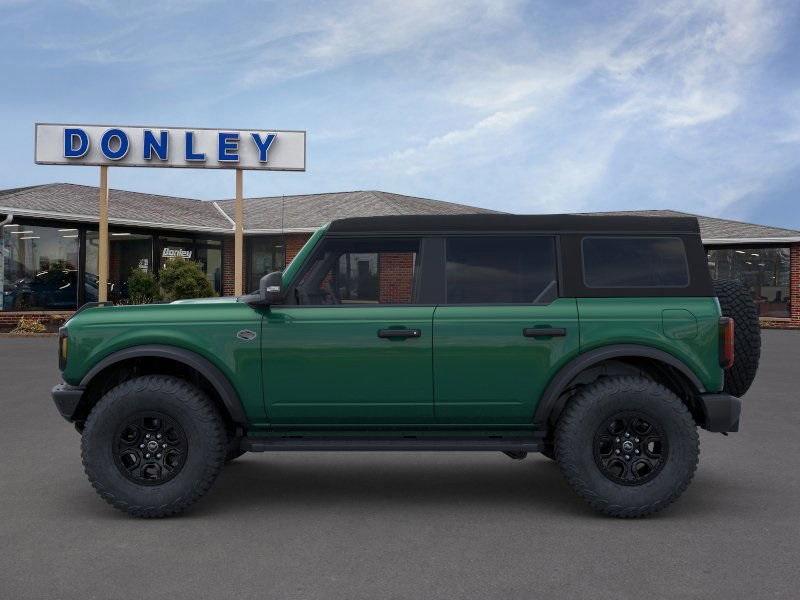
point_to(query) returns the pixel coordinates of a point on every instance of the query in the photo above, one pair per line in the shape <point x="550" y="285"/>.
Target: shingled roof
<point x="70" y="202"/>
<point x="308" y="212"/>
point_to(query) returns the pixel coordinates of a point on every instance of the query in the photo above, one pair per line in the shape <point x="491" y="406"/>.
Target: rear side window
<point x="634" y="262"/>
<point x="510" y="270"/>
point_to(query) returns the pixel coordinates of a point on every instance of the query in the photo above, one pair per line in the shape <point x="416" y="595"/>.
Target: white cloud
<point x="329" y="38"/>
<point x="476" y="143"/>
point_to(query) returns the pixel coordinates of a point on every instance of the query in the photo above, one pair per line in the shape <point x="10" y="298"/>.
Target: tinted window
<point x="630" y="262"/>
<point x="38" y="267"/>
<point x="484" y="270"/>
<point x="360" y="272"/>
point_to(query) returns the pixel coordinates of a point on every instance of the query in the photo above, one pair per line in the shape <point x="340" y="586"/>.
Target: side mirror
<point x="270" y="287"/>
<point x="270" y="290"/>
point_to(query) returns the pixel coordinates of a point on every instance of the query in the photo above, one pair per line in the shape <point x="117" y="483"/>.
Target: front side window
<point x="512" y="270"/>
<point x="634" y="262"/>
<point x="765" y="271"/>
<point x="360" y="271"/>
<point x="39" y="267"/>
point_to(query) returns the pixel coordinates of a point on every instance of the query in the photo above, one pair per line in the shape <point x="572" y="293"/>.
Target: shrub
<point x="26" y="325"/>
<point x="143" y="287"/>
<point x="182" y="279"/>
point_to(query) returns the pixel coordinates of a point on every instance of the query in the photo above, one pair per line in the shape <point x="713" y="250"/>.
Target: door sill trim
<point x="391" y="444"/>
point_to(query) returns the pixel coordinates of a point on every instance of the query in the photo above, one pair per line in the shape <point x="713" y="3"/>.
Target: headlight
<point x="63" y="343"/>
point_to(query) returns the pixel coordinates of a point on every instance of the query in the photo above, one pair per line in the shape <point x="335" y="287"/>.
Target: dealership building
<point x="50" y="255"/>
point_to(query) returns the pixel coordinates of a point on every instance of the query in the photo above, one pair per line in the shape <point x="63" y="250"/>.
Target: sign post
<point x="238" y="241"/>
<point x="103" y="253"/>
<point x="176" y="147"/>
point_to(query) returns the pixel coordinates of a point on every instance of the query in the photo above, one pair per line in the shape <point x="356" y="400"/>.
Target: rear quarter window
<point x="634" y="262"/>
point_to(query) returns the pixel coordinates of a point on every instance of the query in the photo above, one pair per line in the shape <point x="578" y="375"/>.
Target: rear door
<point x="502" y="332"/>
<point x="356" y="347"/>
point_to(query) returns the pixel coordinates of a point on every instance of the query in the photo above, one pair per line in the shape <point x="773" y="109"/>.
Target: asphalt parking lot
<point x="395" y="525"/>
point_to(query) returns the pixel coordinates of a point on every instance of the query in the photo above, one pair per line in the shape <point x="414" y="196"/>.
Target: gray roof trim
<point x="224" y="214"/>
<point x="285" y="230"/>
<point x="111" y="220"/>
<point x="747" y="241"/>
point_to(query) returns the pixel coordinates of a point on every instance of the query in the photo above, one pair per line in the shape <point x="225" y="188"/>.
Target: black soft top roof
<point x="521" y="223"/>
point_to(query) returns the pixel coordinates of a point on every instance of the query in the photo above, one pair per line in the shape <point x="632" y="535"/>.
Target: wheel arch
<point x="676" y="374"/>
<point x="168" y="357"/>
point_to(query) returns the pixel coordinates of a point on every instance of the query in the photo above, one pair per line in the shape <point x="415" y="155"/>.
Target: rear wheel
<point x="627" y="445"/>
<point x="153" y="445"/>
<point x="737" y="303"/>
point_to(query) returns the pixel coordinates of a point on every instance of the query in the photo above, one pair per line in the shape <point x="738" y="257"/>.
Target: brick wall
<point x="294" y="242"/>
<point x="794" y="295"/>
<point x="228" y="266"/>
<point x="794" y="282"/>
<point x="396" y="277"/>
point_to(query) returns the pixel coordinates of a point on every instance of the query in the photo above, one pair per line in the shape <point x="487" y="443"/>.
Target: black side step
<point x="390" y="444"/>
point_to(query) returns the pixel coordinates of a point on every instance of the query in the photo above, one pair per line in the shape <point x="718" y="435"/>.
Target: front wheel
<point x="153" y="445"/>
<point x="627" y="445"/>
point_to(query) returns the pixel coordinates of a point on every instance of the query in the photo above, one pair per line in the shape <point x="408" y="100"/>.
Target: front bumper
<point x="721" y="412"/>
<point x="67" y="398"/>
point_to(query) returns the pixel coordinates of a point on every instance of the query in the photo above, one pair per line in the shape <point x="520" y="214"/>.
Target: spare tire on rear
<point x="736" y="302"/>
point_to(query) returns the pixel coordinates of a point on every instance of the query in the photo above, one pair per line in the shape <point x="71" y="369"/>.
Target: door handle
<point x="391" y="334"/>
<point x="544" y="332"/>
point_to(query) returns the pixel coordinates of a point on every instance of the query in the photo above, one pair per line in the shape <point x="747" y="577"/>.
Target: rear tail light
<point x="726" y="350"/>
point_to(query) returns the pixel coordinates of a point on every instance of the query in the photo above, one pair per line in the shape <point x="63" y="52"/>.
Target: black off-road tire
<point x="233" y="451"/>
<point x="183" y="404"/>
<point x="548" y="451"/>
<point x="586" y="416"/>
<point x="737" y="303"/>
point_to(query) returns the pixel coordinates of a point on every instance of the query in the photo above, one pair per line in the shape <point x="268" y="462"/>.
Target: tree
<point x="143" y="287"/>
<point x="182" y="279"/>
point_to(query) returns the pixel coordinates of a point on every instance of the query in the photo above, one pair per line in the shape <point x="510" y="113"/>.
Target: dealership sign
<point x="176" y="253"/>
<point x="109" y="145"/>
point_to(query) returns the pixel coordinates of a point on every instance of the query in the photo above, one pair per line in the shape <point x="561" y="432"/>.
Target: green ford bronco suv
<point x="599" y="341"/>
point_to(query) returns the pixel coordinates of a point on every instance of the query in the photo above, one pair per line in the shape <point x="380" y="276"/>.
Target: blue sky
<point x="520" y="106"/>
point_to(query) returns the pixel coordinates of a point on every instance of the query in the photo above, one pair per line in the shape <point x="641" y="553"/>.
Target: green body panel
<point x="207" y="328"/>
<point x="471" y="371"/>
<point x="686" y="328"/>
<point x="486" y="371"/>
<point x="291" y="270"/>
<point x="328" y="365"/>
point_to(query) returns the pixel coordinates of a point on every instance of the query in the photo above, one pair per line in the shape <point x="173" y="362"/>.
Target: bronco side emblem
<point x="246" y="334"/>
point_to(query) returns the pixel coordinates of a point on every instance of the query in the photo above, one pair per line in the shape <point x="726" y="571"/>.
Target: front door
<point x="503" y="332"/>
<point x="352" y="346"/>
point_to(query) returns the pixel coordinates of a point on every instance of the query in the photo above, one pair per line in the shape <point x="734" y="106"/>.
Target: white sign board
<point x="189" y="148"/>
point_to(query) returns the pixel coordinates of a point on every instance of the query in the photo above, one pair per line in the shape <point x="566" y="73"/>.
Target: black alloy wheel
<point x="150" y="448"/>
<point x="630" y="448"/>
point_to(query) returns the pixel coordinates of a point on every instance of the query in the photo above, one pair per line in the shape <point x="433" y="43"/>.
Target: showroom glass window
<point x="511" y="270"/>
<point x="264" y="255"/>
<point x="764" y="270"/>
<point x="206" y="252"/>
<point x="361" y="271"/>
<point x="39" y="267"/>
<point x="128" y="251"/>
<point x="209" y="255"/>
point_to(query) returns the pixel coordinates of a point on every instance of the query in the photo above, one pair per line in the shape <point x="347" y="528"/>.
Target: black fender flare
<point x="215" y="377"/>
<point x="549" y="399"/>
